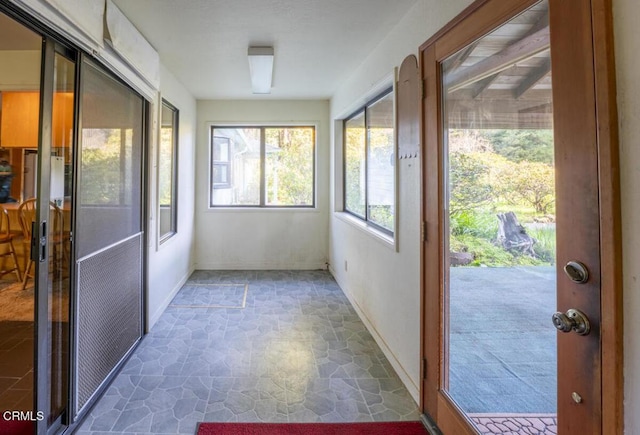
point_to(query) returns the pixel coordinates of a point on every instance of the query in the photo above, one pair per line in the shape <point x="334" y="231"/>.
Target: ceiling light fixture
<point x="261" y="69"/>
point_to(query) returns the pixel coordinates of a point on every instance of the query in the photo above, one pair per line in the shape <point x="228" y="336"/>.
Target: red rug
<point x="16" y="427"/>
<point x="379" y="428"/>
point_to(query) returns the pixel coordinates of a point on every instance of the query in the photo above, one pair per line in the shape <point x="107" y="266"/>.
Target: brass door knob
<point x="572" y="320"/>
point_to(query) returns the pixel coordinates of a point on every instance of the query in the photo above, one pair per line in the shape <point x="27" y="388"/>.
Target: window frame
<point x="362" y="110"/>
<point x="173" y="226"/>
<point x="221" y="163"/>
<point x="262" y="205"/>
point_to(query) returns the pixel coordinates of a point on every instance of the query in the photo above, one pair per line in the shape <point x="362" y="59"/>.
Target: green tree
<point x="354" y="169"/>
<point x="469" y="182"/>
<point x="165" y="166"/>
<point x="521" y="145"/>
<point x="104" y="179"/>
<point x="289" y="165"/>
<point x="530" y="182"/>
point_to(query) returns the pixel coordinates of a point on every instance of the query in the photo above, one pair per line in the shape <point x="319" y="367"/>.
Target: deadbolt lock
<point x="577" y="272"/>
<point x="572" y="320"/>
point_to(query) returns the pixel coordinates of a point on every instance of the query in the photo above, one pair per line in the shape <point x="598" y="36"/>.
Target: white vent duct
<point x="129" y="44"/>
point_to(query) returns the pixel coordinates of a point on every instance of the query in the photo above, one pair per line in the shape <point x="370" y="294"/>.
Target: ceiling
<point x="14" y="36"/>
<point x="317" y="43"/>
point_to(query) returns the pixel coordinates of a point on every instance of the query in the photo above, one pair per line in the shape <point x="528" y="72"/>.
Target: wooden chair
<point x="6" y="239"/>
<point x="56" y="237"/>
<point x="27" y="213"/>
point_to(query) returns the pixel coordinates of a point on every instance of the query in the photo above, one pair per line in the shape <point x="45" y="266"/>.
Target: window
<point x="168" y="171"/>
<point x="263" y="166"/>
<point x="221" y="170"/>
<point x="369" y="163"/>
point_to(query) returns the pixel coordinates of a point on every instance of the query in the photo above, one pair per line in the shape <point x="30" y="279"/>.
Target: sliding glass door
<point x="71" y="207"/>
<point x="46" y="220"/>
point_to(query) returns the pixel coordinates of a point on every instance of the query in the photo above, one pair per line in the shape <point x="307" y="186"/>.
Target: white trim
<point x="388" y="81"/>
<point x="268" y="209"/>
<point x="397" y="366"/>
<point x="280" y="265"/>
<point x="163" y="239"/>
<point x="385" y="239"/>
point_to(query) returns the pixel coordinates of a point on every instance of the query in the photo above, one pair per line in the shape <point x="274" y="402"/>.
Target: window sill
<point x="380" y="236"/>
<point x="263" y="209"/>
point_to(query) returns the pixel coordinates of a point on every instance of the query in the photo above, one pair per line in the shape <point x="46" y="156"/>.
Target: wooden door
<point x="520" y="176"/>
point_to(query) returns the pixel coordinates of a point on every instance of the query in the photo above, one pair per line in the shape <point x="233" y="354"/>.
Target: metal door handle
<point x="573" y="320"/>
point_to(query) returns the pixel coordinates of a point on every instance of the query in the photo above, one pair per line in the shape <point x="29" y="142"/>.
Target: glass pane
<point x="221" y="149"/>
<point x="380" y="167"/>
<point x="500" y="281"/>
<point x="289" y="165"/>
<point x="20" y="62"/>
<point x="354" y="165"/>
<point x="244" y="153"/>
<point x="60" y="213"/>
<point x="167" y="170"/>
<point x="220" y="174"/>
<point x="111" y="154"/>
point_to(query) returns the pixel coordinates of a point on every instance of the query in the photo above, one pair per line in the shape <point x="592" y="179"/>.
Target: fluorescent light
<point x="261" y="69"/>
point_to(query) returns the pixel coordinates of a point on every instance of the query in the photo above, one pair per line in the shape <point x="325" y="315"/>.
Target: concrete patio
<point x="502" y="340"/>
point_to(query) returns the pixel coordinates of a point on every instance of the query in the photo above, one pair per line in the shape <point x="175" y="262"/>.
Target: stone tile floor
<point x="297" y="352"/>
<point x="516" y="424"/>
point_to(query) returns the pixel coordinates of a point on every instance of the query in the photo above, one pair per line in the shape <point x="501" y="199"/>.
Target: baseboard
<point x="261" y="266"/>
<point x="152" y="319"/>
<point x="397" y="366"/>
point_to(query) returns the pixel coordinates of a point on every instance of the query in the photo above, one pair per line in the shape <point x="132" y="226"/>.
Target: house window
<point x="369" y="163"/>
<point x="168" y="171"/>
<point x="260" y="166"/>
<point x="221" y="169"/>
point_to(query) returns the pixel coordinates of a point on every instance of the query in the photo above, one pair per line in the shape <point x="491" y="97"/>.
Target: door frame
<point x="42" y="366"/>
<point x="476" y="20"/>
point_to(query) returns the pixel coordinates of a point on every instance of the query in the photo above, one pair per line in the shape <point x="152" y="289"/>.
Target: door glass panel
<point x="20" y="62"/>
<point x="110" y="186"/>
<point x="60" y="212"/>
<point x="500" y="282"/>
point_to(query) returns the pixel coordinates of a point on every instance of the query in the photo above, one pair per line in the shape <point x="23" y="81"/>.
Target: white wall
<point x="20" y="70"/>
<point x="384" y="285"/>
<point x="262" y="238"/>
<point x="626" y="13"/>
<point x="171" y="262"/>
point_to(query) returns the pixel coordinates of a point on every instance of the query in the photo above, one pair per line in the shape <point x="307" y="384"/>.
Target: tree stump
<point x="461" y="258"/>
<point x="512" y="236"/>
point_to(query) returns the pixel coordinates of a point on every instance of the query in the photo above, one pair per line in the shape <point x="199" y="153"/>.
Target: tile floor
<point x="16" y="365"/>
<point x="296" y="352"/>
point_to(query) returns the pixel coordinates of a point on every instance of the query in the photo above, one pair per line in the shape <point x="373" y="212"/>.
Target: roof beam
<point x="462" y="55"/>
<point x="482" y="85"/>
<point x="532" y="78"/>
<point x="542" y="22"/>
<point x="522" y="49"/>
